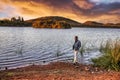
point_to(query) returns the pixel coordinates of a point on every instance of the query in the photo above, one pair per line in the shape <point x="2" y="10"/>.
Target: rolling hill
<point x="55" y="19"/>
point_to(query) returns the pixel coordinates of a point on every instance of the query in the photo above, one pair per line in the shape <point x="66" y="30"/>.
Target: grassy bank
<point x="110" y="58"/>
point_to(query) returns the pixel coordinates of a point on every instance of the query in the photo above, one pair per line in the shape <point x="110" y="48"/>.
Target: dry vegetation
<point x="59" y="71"/>
<point x="111" y="55"/>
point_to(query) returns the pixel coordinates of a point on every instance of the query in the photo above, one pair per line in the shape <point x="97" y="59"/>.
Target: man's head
<point x="76" y="38"/>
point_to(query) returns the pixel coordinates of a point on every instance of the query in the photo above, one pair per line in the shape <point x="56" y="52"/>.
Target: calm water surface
<point x="25" y="46"/>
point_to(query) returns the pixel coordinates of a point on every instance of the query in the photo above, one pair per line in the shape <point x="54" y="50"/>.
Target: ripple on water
<point x="25" y="46"/>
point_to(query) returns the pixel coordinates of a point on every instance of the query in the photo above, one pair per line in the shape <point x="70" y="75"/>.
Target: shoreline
<point x="59" y="71"/>
<point x="64" y="28"/>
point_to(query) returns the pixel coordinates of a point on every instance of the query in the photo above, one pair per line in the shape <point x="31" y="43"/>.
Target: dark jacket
<point x="77" y="45"/>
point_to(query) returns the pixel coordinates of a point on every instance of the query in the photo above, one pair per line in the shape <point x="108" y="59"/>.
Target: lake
<point x="22" y="46"/>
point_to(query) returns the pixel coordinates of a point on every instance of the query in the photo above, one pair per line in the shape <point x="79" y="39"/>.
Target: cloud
<point x="104" y="1"/>
<point x="84" y="4"/>
<point x="105" y="8"/>
<point x="80" y="10"/>
<point x="7" y="10"/>
<point x="115" y="12"/>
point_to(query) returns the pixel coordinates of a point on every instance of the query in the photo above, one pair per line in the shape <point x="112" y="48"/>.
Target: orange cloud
<point x="33" y="10"/>
<point x="80" y="10"/>
<point x="115" y="11"/>
<point x="109" y="18"/>
<point x="2" y="5"/>
<point x="84" y="4"/>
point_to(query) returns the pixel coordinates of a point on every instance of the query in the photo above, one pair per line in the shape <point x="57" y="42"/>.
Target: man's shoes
<point x="75" y="63"/>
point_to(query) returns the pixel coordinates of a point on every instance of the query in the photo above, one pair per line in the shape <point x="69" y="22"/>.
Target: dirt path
<point x="59" y="71"/>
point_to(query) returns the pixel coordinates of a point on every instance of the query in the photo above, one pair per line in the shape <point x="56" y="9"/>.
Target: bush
<point x="111" y="56"/>
<point x="51" y="24"/>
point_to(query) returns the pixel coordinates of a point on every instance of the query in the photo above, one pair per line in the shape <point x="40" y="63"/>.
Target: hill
<point x="54" y="20"/>
<point x="92" y="23"/>
<point x="51" y="24"/>
<point x="100" y="25"/>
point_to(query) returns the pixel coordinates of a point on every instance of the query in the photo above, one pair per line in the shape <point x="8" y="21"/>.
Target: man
<point x="76" y="47"/>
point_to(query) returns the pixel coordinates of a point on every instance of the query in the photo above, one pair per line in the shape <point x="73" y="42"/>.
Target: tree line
<point x="19" y="21"/>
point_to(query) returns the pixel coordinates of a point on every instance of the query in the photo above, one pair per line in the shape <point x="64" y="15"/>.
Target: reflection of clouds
<point x="80" y="10"/>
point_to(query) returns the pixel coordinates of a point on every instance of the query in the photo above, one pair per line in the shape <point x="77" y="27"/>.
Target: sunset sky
<point x="80" y="10"/>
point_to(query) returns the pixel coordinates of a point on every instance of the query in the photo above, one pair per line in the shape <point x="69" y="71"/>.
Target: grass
<point x="82" y="48"/>
<point x="111" y="55"/>
<point x="110" y="58"/>
<point x="19" y="51"/>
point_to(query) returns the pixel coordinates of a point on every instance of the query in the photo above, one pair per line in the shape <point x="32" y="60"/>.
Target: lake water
<point x="26" y="46"/>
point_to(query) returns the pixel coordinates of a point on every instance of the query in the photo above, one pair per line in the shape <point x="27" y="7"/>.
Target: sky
<point x="105" y="11"/>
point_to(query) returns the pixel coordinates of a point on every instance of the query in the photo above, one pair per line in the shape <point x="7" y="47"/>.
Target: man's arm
<point x="73" y="47"/>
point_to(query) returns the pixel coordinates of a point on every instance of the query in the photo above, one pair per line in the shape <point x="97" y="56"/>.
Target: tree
<point x="13" y="19"/>
<point x="19" y="19"/>
<point x="22" y="19"/>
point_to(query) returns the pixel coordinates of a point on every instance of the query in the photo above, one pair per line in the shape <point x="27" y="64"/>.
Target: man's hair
<point x="76" y="37"/>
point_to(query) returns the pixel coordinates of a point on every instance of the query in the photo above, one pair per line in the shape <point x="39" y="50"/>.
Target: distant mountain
<point x="45" y="21"/>
<point x="54" y="22"/>
<point x="101" y="25"/>
<point x="112" y="25"/>
<point x="92" y="24"/>
<point x="55" y="18"/>
<point x="118" y="24"/>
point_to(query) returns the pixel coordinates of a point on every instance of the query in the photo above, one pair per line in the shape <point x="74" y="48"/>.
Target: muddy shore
<point x="59" y="71"/>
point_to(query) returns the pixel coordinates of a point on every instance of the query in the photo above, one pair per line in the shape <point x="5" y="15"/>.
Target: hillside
<point x="92" y="23"/>
<point x="51" y="24"/>
<point x="101" y="25"/>
<point x="54" y="22"/>
<point x="55" y="18"/>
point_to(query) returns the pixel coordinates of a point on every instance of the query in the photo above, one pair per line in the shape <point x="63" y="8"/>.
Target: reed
<point x="19" y="51"/>
<point x="110" y="58"/>
<point x="82" y="48"/>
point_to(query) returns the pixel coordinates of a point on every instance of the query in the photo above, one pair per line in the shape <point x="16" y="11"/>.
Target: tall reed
<point x="111" y="55"/>
<point x="82" y="48"/>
